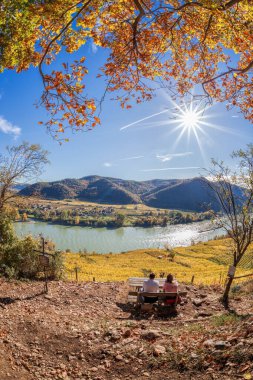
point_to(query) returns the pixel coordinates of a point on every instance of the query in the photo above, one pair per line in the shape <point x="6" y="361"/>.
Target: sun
<point x="189" y="118"/>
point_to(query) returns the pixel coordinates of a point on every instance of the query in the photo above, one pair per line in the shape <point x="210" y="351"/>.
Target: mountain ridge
<point x="183" y="194"/>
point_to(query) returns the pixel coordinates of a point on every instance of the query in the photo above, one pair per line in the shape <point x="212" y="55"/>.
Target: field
<point x="207" y="262"/>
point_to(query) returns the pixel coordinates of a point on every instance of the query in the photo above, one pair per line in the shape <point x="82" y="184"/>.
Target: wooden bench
<point x="136" y="283"/>
<point x="135" y="294"/>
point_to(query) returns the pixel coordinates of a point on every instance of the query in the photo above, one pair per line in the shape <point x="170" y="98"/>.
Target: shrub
<point x="171" y="252"/>
<point x="146" y="272"/>
<point x="19" y="257"/>
<point x="56" y="266"/>
<point x="119" y="220"/>
<point x="223" y="319"/>
<point x="235" y="289"/>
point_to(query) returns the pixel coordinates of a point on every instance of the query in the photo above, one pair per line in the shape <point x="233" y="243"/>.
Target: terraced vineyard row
<point x="207" y="262"/>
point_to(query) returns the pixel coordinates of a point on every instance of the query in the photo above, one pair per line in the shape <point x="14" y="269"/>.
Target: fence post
<point x="76" y="271"/>
<point x="192" y="280"/>
<point x="94" y="279"/>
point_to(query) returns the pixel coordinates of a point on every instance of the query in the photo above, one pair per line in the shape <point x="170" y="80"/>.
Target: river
<point x="103" y="240"/>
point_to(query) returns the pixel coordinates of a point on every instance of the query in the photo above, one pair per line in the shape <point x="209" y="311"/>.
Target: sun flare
<point x="191" y="122"/>
<point x="189" y="117"/>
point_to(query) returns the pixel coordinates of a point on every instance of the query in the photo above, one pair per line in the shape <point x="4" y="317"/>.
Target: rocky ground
<point x="87" y="331"/>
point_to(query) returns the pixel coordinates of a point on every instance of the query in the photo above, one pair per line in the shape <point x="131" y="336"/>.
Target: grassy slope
<point x="208" y="262"/>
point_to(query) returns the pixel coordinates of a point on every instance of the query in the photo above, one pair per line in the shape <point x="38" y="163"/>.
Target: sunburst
<point x="190" y="121"/>
<point x="190" y="118"/>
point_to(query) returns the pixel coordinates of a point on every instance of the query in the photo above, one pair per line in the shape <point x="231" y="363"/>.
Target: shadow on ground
<point x="4" y="301"/>
<point x="157" y="312"/>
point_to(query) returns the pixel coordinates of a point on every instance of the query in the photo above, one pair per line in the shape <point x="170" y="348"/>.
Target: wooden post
<point x="44" y="261"/>
<point x="76" y="271"/>
<point x="46" y="280"/>
<point x="45" y="269"/>
<point x="94" y="279"/>
<point x="192" y="280"/>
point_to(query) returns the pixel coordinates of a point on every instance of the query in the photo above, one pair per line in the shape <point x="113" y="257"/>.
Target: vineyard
<point x="207" y="262"/>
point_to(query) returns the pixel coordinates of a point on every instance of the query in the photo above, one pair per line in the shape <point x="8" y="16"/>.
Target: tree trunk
<point x="226" y="291"/>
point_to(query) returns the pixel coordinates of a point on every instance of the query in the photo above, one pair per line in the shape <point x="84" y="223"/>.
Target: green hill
<point x="188" y="195"/>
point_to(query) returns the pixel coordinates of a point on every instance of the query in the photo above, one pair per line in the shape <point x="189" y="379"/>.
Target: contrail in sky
<point x="145" y="118"/>
<point x="161" y="169"/>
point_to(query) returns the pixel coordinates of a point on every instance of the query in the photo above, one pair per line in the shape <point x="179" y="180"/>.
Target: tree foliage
<point x="19" y="257"/>
<point x="234" y="191"/>
<point x="176" y="43"/>
<point x="23" y="162"/>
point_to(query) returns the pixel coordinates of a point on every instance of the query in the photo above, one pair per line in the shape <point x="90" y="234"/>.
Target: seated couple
<point x="152" y="286"/>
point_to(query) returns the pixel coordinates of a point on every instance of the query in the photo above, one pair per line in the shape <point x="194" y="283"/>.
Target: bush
<point x="19" y="257"/>
<point x="56" y="266"/>
<point x="170" y="251"/>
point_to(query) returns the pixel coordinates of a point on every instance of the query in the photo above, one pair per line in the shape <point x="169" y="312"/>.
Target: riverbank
<point x="86" y="214"/>
<point x="208" y="262"/>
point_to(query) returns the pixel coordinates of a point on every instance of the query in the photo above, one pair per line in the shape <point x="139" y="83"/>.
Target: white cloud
<point x="116" y="163"/>
<point x="131" y="158"/>
<point x="169" y="156"/>
<point x="163" y="158"/>
<point x="94" y="48"/>
<point x="9" y="128"/>
<point x="180" y="168"/>
<point x="107" y="164"/>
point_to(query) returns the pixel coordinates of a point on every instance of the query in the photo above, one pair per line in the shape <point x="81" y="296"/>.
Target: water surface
<point x="105" y="240"/>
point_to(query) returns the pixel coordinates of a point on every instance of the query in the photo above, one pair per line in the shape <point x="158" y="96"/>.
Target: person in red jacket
<point x="171" y="285"/>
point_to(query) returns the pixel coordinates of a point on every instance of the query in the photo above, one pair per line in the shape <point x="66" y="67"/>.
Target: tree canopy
<point x="178" y="44"/>
<point x="23" y="162"/>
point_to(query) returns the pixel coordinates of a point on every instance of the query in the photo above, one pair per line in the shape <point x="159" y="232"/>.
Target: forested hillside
<point x="190" y="194"/>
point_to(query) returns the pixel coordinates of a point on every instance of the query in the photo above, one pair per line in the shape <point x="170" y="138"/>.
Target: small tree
<point x="119" y="220"/>
<point x="24" y="217"/>
<point x="171" y="252"/>
<point x="77" y="220"/>
<point x="234" y="192"/>
<point x="21" y="163"/>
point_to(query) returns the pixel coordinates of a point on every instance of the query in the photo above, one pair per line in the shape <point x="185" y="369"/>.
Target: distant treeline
<point x="114" y="219"/>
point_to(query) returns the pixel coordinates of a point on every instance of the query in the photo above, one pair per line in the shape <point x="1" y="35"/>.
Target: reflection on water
<point x="104" y="240"/>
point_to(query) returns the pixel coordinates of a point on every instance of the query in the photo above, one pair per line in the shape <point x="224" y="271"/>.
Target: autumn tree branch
<point x="59" y="35"/>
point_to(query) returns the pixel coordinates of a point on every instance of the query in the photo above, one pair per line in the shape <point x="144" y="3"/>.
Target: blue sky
<point x="145" y="150"/>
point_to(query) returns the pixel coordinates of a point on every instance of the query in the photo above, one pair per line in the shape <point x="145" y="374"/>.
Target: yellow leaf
<point x="247" y="376"/>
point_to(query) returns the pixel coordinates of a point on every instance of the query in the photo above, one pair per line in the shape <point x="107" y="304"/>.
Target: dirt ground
<point x="88" y="331"/>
